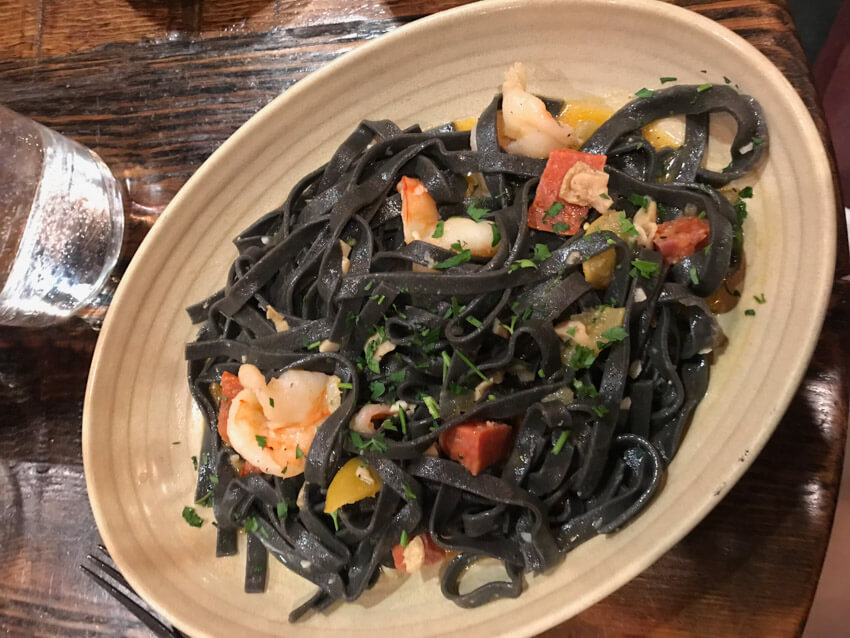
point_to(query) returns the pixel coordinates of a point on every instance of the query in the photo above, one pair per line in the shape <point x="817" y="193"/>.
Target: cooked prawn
<point x="420" y="219"/>
<point x="531" y="129"/>
<point x="272" y="425"/>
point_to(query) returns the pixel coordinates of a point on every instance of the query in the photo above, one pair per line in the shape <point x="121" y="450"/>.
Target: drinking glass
<point x="61" y="223"/>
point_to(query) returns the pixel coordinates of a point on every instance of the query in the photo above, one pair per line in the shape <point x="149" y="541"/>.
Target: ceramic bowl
<point x="140" y="427"/>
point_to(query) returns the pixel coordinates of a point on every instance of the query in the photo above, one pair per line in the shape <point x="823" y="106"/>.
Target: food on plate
<point x="455" y="344"/>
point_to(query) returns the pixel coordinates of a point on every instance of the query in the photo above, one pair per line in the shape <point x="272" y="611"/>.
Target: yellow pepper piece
<point x="599" y="269"/>
<point x="353" y="482"/>
<point x="465" y="124"/>
<point x="585" y="116"/>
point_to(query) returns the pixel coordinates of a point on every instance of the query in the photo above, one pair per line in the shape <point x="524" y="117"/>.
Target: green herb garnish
<point x="541" y="252"/>
<point x="644" y="92"/>
<point x="704" y="87"/>
<point x="261" y="440"/>
<point x="627" y="226"/>
<point x="438" y="231"/>
<point x="553" y="210"/>
<point x="582" y="357"/>
<point x="639" y="200"/>
<point x="522" y="263"/>
<point x="560" y="227"/>
<point x="408" y="493"/>
<point x="559" y="444"/>
<point x="377" y="389"/>
<point x="476" y="212"/>
<point x="403" y="540"/>
<point x="455" y="260"/>
<point x="432" y="406"/>
<point x="204" y="501"/>
<point x="646" y="269"/>
<point x="616" y="333"/>
<point x="665" y="80"/>
<point x="282" y="510"/>
<point x="298" y="452"/>
<point x="750" y="313"/>
<point x="471" y="365"/>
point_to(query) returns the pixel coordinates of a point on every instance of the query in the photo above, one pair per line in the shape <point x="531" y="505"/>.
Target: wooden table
<point x="155" y="86"/>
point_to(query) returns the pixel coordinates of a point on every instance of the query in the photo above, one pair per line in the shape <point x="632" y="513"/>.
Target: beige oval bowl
<point x="449" y="65"/>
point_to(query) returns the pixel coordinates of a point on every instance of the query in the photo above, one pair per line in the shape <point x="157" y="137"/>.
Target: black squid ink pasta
<point x="509" y="400"/>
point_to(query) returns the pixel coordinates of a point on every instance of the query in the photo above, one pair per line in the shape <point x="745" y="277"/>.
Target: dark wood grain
<point x="155" y="87"/>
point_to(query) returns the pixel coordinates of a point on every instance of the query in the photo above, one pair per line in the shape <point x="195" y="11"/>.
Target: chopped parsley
<point x="472" y="320"/>
<point x="377" y="389"/>
<point x="750" y="313"/>
<point x="261" y="440"/>
<point x="471" y="365"/>
<point x="639" y="200"/>
<point x="335" y="516"/>
<point x="455" y="260"/>
<point x="559" y="444"/>
<point x="760" y="298"/>
<point x="282" y="510"/>
<point x="431" y="404"/>
<point x="644" y="92"/>
<point x="476" y="212"/>
<point x="584" y="390"/>
<point x="694" y="276"/>
<point x="204" y="501"/>
<point x="616" y="333"/>
<point x="646" y="269"/>
<point x="402" y="417"/>
<point x="627" y="226"/>
<point x="438" y="231"/>
<point x="497" y="236"/>
<point x="746" y="192"/>
<point x="665" y="80"/>
<point x="541" y="252"/>
<point x="600" y="410"/>
<point x="408" y="493"/>
<point x="757" y="141"/>
<point x="299" y="453"/>
<point x="522" y="263"/>
<point x="553" y="210"/>
<point x="251" y="524"/>
<point x="605" y="196"/>
<point x="582" y="357"/>
<point x="560" y="227"/>
<point x="376" y="442"/>
<point x="727" y="80"/>
<point x="195" y="462"/>
<point x="397" y="376"/>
